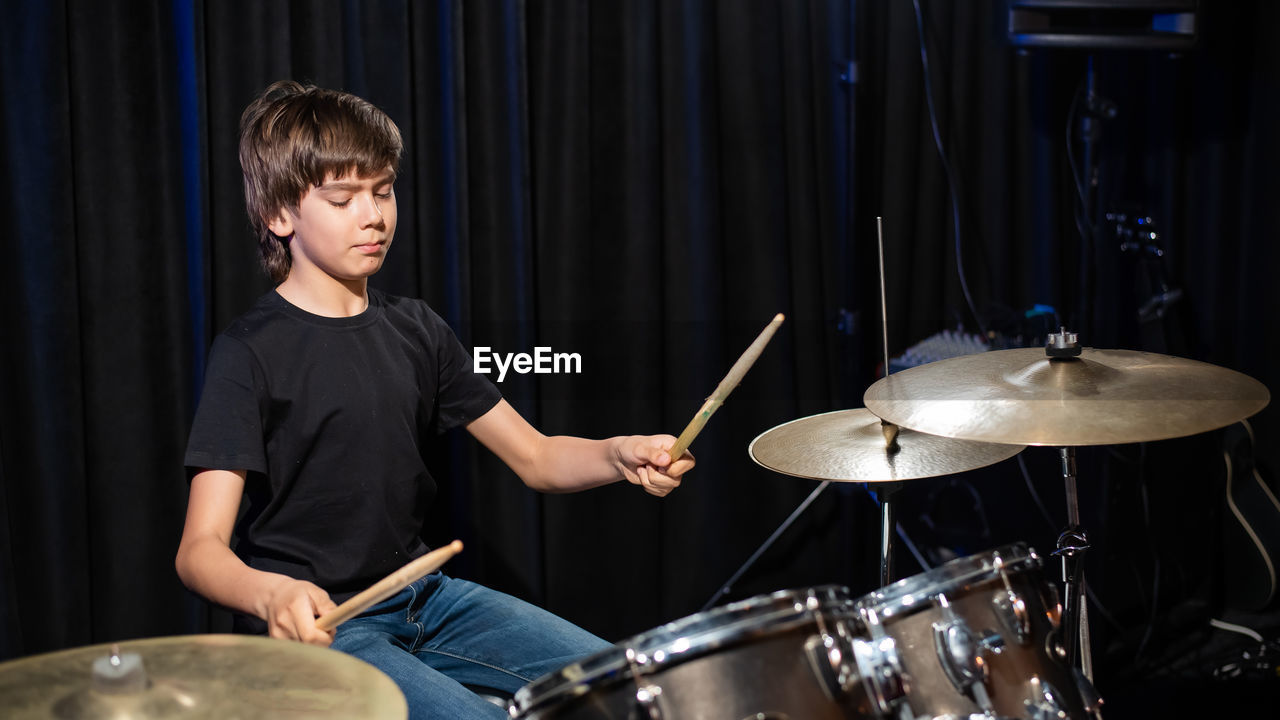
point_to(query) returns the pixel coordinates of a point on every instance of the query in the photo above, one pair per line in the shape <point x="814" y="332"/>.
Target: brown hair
<point x="292" y="138"/>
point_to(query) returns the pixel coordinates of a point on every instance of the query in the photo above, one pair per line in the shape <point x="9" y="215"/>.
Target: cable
<point x="1031" y="488"/>
<point x="1082" y="201"/>
<point x="1071" y="153"/>
<point x="946" y="167"/>
<point x="1232" y="627"/>
<point x="1155" y="552"/>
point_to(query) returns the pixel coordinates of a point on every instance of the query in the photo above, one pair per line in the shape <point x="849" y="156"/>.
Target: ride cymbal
<point x="201" y="676"/>
<point x="1102" y="397"/>
<point x="849" y="446"/>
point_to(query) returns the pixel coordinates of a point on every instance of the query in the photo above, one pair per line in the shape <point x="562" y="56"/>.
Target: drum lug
<point x="647" y="694"/>
<point x="1010" y="607"/>
<point x="1012" y="611"/>
<point x="881" y="672"/>
<point x="960" y="655"/>
<point x="1044" y="702"/>
<point x="1052" y="603"/>
<point x="647" y="702"/>
<point x="884" y="680"/>
<point x="1053" y="646"/>
<point x="829" y="660"/>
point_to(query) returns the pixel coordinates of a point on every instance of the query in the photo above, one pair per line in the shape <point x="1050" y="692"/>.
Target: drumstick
<point x="388" y="586"/>
<point x="725" y="387"/>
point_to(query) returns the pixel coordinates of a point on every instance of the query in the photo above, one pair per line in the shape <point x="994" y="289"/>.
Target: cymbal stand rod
<point x="1068" y="456"/>
<point x="888" y="524"/>
<point x="1072" y="544"/>
<point x="884" y="304"/>
<point x="724" y="589"/>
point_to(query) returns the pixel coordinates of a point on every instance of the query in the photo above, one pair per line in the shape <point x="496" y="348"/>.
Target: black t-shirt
<point x="329" y="416"/>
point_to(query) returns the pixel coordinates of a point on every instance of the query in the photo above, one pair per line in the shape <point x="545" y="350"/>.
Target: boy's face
<point x="342" y="228"/>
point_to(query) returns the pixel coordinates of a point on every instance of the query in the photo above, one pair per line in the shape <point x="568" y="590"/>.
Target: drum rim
<point x="905" y="595"/>
<point x="687" y="638"/>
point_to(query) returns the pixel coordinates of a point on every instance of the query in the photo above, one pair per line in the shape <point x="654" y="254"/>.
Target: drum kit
<point x="983" y="636"/>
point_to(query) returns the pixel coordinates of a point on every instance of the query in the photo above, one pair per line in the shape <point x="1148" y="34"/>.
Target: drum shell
<point x="759" y="668"/>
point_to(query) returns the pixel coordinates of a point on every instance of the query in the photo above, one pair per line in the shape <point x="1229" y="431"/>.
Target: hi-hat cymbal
<point x="1102" y="397"/>
<point x="849" y="446"/>
<point x="200" y="676"/>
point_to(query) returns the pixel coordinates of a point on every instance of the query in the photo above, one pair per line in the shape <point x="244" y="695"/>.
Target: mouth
<point x="371" y="248"/>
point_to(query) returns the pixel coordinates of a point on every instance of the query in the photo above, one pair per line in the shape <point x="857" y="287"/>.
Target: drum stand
<point x="887" y="525"/>
<point x="1072" y="544"/>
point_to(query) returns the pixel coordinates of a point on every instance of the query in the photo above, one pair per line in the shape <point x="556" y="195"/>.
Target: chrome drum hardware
<point x="977" y="638"/>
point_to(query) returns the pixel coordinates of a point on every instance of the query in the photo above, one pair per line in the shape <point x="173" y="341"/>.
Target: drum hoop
<point x="910" y="594"/>
<point x="688" y="638"/>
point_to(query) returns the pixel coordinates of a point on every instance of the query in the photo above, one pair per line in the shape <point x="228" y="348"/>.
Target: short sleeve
<point x="227" y="433"/>
<point x="463" y="394"/>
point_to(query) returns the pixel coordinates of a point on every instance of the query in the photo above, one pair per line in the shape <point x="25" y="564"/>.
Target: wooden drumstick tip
<point x="725" y="387"/>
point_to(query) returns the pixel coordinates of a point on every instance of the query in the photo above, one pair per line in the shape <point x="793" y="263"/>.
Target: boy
<point x="315" y="407"/>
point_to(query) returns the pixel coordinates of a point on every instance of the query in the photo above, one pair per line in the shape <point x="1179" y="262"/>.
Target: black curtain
<point x="645" y="184"/>
<point x="1190" y="145"/>
<point x="642" y="184"/>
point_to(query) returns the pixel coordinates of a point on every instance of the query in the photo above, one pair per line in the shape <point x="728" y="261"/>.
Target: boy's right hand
<point x="292" y="610"/>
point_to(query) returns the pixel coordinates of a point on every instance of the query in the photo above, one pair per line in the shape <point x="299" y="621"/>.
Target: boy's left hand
<point x="644" y="461"/>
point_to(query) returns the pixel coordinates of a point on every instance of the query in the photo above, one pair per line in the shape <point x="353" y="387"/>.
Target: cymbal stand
<point x="1072" y="544"/>
<point x="728" y="585"/>
<point x="887" y="522"/>
<point x="887" y="525"/>
<point x="1064" y="346"/>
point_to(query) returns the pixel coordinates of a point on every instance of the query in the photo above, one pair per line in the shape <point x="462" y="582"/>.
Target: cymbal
<point x="199" y="676"/>
<point x="1102" y="397"/>
<point x="849" y="446"/>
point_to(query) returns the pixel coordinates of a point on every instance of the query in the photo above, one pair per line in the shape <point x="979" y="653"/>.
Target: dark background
<point x="646" y="184"/>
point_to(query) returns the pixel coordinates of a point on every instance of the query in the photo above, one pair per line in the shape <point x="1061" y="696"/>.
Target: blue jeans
<point x="441" y="633"/>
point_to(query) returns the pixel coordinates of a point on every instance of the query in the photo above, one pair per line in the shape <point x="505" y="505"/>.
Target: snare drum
<point x="977" y="636"/>
<point x="772" y="657"/>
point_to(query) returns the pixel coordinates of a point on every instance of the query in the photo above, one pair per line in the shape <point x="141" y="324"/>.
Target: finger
<point x="662" y="445"/>
<point x="320" y="638"/>
<point x="681" y="466"/>
<point x="320" y="603"/>
<point x="659" y="484"/>
<point x="630" y="475"/>
<point x="282" y="627"/>
<point x="650" y="450"/>
<point x="305" y="624"/>
<point x="662" y="480"/>
<point x="321" y="600"/>
<point x="642" y="473"/>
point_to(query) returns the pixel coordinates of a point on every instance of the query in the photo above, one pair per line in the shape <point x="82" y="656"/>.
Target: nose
<point x="372" y="215"/>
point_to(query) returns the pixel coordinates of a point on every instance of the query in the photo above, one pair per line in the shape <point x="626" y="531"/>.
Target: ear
<point x="282" y="224"/>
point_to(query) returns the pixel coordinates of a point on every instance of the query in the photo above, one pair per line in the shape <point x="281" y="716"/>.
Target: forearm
<point x="211" y="569"/>
<point x="568" y="464"/>
<point x="562" y="464"/>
